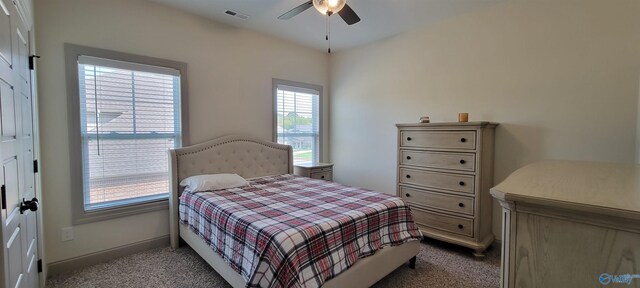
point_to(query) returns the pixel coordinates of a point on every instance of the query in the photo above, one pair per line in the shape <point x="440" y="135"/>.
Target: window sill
<point x="107" y="213"/>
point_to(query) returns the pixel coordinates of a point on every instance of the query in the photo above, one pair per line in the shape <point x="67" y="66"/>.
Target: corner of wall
<point x="327" y="114"/>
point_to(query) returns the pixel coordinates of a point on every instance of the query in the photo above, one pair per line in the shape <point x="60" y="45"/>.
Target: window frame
<point x="302" y="85"/>
<point x="72" y="52"/>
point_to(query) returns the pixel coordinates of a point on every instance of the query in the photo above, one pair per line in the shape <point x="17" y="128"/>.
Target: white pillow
<point x="213" y="182"/>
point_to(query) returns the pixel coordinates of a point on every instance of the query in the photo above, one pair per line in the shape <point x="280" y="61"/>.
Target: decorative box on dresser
<point x="445" y="171"/>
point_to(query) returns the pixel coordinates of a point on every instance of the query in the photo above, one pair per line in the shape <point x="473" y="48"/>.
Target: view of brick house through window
<point x="297" y="123"/>
<point x="129" y="119"/>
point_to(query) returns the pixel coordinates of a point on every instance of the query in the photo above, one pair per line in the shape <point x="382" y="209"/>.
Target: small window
<point x="297" y="119"/>
<point x="128" y="117"/>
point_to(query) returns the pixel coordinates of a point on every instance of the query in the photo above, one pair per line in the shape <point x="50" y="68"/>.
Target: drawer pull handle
<point x="408" y="195"/>
<point x="461" y="183"/>
<point x="462" y="161"/>
<point x="408" y="157"/>
<point x="463" y="140"/>
<point x="460" y="226"/>
<point x="322" y="176"/>
<point x="461" y="205"/>
<point x="408" y="176"/>
<point x="408" y="138"/>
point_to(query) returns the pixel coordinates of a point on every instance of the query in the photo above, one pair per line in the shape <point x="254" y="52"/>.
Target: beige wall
<point x="230" y="76"/>
<point x="560" y="76"/>
<point x="638" y="126"/>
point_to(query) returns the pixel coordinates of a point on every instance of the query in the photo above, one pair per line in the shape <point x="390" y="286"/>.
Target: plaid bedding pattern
<point x="290" y="231"/>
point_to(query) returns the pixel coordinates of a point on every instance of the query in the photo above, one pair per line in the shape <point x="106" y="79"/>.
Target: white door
<point x="19" y="231"/>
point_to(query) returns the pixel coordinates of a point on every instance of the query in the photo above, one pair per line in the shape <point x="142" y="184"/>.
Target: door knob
<point x="29" y="205"/>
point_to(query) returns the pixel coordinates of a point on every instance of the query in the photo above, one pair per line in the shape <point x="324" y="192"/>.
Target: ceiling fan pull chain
<point x="328" y="33"/>
<point x="326" y="36"/>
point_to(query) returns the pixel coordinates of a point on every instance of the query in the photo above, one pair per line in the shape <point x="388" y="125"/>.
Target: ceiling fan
<point x="325" y="7"/>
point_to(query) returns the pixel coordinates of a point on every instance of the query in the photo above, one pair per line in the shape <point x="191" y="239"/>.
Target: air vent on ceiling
<point x="237" y="14"/>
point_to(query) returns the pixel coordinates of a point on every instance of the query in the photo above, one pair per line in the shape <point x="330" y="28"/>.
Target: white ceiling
<point x="380" y="18"/>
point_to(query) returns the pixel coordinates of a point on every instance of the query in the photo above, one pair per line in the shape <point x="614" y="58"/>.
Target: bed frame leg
<point x="412" y="262"/>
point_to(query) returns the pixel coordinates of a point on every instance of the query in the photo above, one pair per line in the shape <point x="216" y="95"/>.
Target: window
<point x="297" y="119"/>
<point x="129" y="116"/>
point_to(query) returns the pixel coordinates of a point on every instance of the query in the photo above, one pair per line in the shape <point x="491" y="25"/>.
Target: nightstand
<point x="322" y="171"/>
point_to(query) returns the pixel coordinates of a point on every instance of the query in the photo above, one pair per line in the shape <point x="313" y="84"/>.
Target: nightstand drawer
<point x="447" y="223"/>
<point x="435" y="200"/>
<point x="320" y="170"/>
<point x="440" y="160"/>
<point x="322" y="176"/>
<point x="439" y="139"/>
<point x="314" y="170"/>
<point x="447" y="181"/>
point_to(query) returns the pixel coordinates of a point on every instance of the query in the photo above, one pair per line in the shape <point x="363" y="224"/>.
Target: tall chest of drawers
<point x="445" y="171"/>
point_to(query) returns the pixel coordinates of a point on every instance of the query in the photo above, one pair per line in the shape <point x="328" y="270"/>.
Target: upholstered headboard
<point x="245" y="156"/>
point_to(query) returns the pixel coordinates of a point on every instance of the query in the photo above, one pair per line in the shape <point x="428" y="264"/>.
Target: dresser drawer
<point x="441" y="160"/>
<point x="322" y="176"/>
<point x="451" y="203"/>
<point x="453" y="182"/>
<point x="438" y="139"/>
<point x="443" y="222"/>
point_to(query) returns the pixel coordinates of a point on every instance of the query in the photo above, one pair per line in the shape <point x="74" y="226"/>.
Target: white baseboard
<point x="75" y="263"/>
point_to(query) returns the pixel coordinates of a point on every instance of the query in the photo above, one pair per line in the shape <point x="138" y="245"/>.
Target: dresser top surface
<point x="449" y="124"/>
<point x="588" y="185"/>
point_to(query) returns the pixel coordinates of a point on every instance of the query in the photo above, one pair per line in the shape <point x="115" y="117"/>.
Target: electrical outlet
<point x="67" y="234"/>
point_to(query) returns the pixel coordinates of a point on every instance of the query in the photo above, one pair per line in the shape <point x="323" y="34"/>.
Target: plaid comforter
<point x="290" y="231"/>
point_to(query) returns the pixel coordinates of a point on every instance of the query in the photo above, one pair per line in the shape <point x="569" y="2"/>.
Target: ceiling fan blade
<point x="296" y="11"/>
<point x="348" y="15"/>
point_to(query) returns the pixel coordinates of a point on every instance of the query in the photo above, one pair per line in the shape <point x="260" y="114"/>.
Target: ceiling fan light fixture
<point x="327" y="7"/>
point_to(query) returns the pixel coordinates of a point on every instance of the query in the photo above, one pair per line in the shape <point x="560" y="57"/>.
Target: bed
<point x="272" y="164"/>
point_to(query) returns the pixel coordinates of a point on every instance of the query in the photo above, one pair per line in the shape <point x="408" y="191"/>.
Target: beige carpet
<point x="439" y="265"/>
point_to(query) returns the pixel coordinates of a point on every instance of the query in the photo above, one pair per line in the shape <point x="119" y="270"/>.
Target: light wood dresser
<point x="323" y="171"/>
<point x="571" y="224"/>
<point x="445" y="171"/>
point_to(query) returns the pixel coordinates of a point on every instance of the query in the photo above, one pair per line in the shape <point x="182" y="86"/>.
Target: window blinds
<point x="129" y="119"/>
<point x="297" y="123"/>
